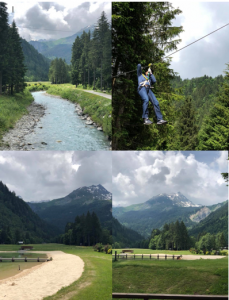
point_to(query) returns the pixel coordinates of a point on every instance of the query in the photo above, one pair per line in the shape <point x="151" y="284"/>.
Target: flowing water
<point x="62" y="129"/>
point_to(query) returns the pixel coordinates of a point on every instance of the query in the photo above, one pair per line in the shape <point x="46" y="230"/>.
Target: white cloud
<point x="151" y="173"/>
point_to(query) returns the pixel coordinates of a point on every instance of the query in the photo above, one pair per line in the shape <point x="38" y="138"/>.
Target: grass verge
<point x="201" y="276"/>
<point x="12" y="108"/>
<point x="95" y="282"/>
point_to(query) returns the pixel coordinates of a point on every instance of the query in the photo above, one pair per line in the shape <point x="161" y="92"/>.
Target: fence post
<point x="173" y="256"/>
<point x="150" y="256"/>
<point x="126" y="255"/>
<point x="165" y="256"/>
<point x="158" y="256"/>
<point x="134" y="256"/>
<point x="142" y="256"/>
<point x="115" y="255"/>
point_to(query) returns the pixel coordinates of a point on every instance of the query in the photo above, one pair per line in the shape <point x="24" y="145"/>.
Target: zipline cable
<point x="177" y="50"/>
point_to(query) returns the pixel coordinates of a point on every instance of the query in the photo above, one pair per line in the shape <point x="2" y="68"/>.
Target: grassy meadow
<point x="204" y="277"/>
<point x="95" y="282"/>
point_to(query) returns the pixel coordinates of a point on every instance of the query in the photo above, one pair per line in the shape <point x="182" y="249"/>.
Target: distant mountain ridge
<point x="63" y="210"/>
<point x="161" y="209"/>
<point x="60" y="48"/>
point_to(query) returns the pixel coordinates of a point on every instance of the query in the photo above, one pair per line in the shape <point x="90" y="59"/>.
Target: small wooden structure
<point x="127" y="251"/>
<point x="26" y="248"/>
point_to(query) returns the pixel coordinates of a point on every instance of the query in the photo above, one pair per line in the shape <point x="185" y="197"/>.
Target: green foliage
<point x="123" y="236"/>
<point x="12" y="108"/>
<point x="59" y="71"/>
<point x="133" y="44"/>
<point x="91" y="57"/>
<point x="214" y="134"/>
<point x="19" y="222"/>
<point x="99" y="247"/>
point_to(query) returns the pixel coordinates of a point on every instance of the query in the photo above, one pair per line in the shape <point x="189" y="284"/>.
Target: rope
<point x="177" y="50"/>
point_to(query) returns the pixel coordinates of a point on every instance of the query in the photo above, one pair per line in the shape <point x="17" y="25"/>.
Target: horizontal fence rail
<point x="13" y="259"/>
<point x="167" y="296"/>
<point x="142" y="256"/>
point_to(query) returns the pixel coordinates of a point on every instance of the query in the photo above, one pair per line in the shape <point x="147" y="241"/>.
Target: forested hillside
<point x="36" y="64"/>
<point x="203" y="91"/>
<point x="216" y="222"/>
<point x="19" y="222"/>
<point x="123" y="236"/>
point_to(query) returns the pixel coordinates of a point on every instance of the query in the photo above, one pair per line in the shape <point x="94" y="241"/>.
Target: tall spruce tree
<point x="4" y="27"/>
<point x="214" y="134"/>
<point x="141" y="33"/>
<point x="187" y="127"/>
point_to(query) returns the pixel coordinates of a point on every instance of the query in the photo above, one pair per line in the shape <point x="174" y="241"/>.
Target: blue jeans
<point x="147" y="95"/>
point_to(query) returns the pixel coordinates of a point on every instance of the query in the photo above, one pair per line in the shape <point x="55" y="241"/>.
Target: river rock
<point x="88" y="118"/>
<point x="100" y="128"/>
<point x="43" y="143"/>
<point x="89" y="122"/>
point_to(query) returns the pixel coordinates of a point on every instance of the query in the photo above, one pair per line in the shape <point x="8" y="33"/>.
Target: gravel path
<point x="99" y="94"/>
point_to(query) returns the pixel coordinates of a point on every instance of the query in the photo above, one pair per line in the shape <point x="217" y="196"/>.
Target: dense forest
<point x="123" y="236"/>
<point x="19" y="223"/>
<point x="175" y="236"/>
<point x="197" y="110"/>
<point x="59" y="71"/>
<point x="12" y="67"/>
<point x="91" y="57"/>
<point x="85" y="231"/>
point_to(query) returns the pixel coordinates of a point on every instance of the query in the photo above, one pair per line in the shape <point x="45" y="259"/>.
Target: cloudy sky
<point x="208" y="56"/>
<point x="138" y="176"/>
<point x="47" y="175"/>
<point x="53" y="20"/>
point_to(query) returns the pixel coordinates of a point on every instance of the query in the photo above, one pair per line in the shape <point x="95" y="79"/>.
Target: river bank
<point x="14" y="139"/>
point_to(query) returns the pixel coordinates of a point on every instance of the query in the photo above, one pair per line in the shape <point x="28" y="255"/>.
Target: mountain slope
<point x="124" y="236"/>
<point x="216" y="221"/>
<point x="18" y="221"/>
<point x="63" y="210"/>
<point x="37" y="65"/>
<point x="60" y="48"/>
<point x="161" y="209"/>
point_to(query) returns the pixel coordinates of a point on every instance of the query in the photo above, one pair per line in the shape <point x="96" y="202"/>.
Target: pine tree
<point x="215" y="130"/>
<point x="187" y="127"/>
<point x="3" y="41"/>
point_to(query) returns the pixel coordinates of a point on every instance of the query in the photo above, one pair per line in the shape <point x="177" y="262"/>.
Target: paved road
<point x="99" y="94"/>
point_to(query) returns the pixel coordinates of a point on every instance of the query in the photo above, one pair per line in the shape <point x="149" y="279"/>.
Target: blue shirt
<point x="141" y="78"/>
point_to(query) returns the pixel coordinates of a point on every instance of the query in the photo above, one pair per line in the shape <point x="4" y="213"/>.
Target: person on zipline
<point x="144" y="83"/>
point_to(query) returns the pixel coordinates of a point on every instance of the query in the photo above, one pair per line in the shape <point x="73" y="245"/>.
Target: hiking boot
<point x="147" y="122"/>
<point x="160" y="122"/>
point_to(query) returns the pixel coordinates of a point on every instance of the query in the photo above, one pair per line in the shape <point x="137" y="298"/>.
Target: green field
<point x="170" y="277"/>
<point x="96" y="281"/>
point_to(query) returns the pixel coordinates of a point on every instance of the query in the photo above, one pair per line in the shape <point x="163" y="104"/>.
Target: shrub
<point x="98" y="247"/>
<point x="107" y="247"/>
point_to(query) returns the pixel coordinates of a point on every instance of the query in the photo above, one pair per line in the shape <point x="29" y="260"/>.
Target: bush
<point x="98" y="247"/>
<point x="107" y="247"/>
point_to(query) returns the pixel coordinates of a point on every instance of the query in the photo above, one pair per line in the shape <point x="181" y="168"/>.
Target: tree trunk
<point x="101" y="75"/>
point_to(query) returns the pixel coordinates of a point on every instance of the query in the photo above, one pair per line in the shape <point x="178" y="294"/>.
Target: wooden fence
<point x="142" y="256"/>
<point x="167" y="296"/>
<point x="13" y="259"/>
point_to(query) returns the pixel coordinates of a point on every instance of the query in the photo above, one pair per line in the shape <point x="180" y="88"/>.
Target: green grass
<point x="95" y="282"/>
<point x="149" y="251"/>
<point x="171" y="277"/>
<point x="12" y="108"/>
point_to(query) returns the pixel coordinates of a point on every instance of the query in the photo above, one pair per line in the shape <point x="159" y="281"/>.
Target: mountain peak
<point x="178" y="199"/>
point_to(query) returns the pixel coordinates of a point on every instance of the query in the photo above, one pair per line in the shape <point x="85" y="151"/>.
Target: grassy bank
<point x="97" y="107"/>
<point x="96" y="281"/>
<point x="171" y="277"/>
<point x="12" y="108"/>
